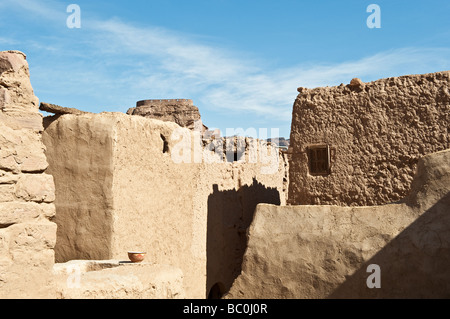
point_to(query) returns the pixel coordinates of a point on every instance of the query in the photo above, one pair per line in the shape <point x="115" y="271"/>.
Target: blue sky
<point x="240" y="61"/>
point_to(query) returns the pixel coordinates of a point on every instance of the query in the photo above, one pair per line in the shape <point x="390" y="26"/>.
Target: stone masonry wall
<point x="376" y="131"/>
<point x="27" y="234"/>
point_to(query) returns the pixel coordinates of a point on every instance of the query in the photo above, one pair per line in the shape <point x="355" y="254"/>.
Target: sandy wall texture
<point x="27" y="236"/>
<point x="315" y="251"/>
<point x="376" y="131"/>
<point x="121" y="186"/>
<point x="79" y="154"/>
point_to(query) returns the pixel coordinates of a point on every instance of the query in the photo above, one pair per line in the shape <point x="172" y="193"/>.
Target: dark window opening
<point x="234" y="148"/>
<point x="234" y="156"/>
<point x="165" y="145"/>
<point x="319" y="159"/>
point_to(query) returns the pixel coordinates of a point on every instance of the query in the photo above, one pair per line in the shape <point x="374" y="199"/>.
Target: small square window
<point x="319" y="159"/>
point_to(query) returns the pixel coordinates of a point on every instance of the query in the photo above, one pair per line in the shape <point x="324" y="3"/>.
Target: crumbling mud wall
<point x="27" y="234"/>
<point x="132" y="183"/>
<point x="316" y="251"/>
<point x="376" y="132"/>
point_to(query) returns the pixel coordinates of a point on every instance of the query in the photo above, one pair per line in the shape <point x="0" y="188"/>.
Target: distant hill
<point x="279" y="141"/>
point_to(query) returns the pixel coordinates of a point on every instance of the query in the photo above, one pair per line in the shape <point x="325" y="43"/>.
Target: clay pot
<point x="136" y="256"/>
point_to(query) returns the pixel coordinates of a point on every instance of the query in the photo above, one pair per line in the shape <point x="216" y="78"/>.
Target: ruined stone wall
<point x="322" y="251"/>
<point x="376" y="131"/>
<point x="27" y="234"/>
<point x="129" y="188"/>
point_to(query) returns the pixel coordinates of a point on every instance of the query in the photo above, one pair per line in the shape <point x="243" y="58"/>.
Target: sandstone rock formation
<point x="356" y="83"/>
<point x="27" y="236"/>
<point x="56" y="109"/>
<point x="375" y="131"/>
<point x="324" y="251"/>
<point x="180" y="111"/>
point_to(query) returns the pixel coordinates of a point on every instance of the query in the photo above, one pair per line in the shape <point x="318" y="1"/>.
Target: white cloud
<point x="8" y="41"/>
<point x="49" y="10"/>
<point x="225" y="81"/>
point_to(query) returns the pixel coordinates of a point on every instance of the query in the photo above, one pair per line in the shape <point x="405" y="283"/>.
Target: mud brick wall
<point x="120" y="187"/>
<point x="376" y="133"/>
<point x="314" y="251"/>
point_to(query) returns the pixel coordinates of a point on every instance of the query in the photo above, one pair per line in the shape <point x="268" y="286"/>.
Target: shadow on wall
<point x="230" y="213"/>
<point x="415" y="264"/>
